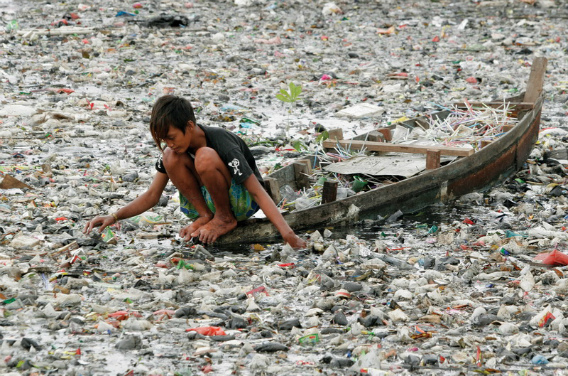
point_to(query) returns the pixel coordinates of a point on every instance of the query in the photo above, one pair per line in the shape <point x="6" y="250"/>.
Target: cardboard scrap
<point x="10" y="182"/>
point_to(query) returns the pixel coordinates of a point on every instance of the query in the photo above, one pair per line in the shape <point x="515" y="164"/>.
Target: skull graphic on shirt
<point x="235" y="165"/>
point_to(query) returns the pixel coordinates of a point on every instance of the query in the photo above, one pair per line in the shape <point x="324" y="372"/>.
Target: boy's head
<point x="170" y="111"/>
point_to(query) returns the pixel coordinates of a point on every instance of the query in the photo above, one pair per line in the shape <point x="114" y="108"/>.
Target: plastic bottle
<point x="288" y="193"/>
<point x="344" y="192"/>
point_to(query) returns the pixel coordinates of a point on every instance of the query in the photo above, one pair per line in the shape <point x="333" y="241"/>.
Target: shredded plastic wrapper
<point x="208" y="331"/>
<point x="555" y="258"/>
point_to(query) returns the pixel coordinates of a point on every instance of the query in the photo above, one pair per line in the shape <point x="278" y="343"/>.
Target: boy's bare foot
<point x="215" y="228"/>
<point x="187" y="231"/>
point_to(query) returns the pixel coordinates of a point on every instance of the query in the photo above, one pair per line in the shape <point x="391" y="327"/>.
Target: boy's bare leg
<point x="214" y="174"/>
<point x="182" y="173"/>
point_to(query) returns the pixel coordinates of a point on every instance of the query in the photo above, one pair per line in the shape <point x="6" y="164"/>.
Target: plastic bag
<point x="208" y="331"/>
<point x="553" y="258"/>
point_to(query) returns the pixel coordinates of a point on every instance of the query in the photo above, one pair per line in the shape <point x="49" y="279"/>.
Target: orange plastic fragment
<point x="553" y="258"/>
<point x="390" y="30"/>
<point x="123" y="315"/>
<point x="208" y="331"/>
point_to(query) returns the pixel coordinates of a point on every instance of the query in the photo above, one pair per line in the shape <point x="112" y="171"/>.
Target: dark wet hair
<point x="169" y="111"/>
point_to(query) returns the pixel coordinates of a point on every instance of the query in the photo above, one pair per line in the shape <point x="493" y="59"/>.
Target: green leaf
<point x="283" y="98"/>
<point x="322" y="136"/>
<point x="292" y="88"/>
<point x="298" y="145"/>
<point x="292" y="96"/>
<point x="295" y="90"/>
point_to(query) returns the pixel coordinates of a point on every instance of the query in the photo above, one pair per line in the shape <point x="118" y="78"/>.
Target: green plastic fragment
<point x="107" y="234"/>
<point x="433" y="229"/>
<point x="310" y="339"/>
<point x="511" y="234"/>
<point x="249" y="120"/>
<point x="358" y="184"/>
<point x="8" y="301"/>
<point x="183" y="264"/>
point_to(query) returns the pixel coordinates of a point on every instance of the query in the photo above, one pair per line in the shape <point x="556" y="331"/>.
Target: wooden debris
<point x="329" y="191"/>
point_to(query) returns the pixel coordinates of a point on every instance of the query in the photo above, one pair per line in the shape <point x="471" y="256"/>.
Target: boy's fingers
<point x="88" y="228"/>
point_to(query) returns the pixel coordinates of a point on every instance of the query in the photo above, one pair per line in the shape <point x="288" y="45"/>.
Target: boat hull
<point x="480" y="171"/>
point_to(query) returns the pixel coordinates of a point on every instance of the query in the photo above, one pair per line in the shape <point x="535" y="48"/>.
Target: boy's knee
<point x="206" y="158"/>
<point x="170" y="158"/>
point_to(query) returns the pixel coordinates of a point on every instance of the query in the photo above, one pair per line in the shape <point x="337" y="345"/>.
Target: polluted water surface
<point x="475" y="286"/>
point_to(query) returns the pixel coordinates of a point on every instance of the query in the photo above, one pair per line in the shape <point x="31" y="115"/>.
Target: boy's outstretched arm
<point x="272" y="213"/>
<point x="139" y="205"/>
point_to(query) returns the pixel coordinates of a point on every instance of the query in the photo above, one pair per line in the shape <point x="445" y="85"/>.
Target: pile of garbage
<point x="474" y="286"/>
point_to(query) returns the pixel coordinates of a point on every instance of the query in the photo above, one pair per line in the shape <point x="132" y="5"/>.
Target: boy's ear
<point x="190" y="124"/>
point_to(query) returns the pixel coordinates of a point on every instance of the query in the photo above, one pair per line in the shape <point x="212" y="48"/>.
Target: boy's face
<point x="177" y="140"/>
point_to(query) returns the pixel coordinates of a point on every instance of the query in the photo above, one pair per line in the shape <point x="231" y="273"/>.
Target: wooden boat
<point x="471" y="171"/>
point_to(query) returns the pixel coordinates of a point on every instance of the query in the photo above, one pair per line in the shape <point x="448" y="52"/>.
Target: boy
<point x="214" y="172"/>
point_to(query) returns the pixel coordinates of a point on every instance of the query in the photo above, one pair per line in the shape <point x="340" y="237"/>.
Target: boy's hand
<point x="101" y="221"/>
<point x="295" y="241"/>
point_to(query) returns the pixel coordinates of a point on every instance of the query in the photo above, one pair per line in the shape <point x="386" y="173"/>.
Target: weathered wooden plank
<point x="329" y="191"/>
<point x="432" y="159"/>
<point x="375" y="136"/>
<point x="273" y="189"/>
<point x="383" y="146"/>
<point x="302" y="172"/>
<point x="308" y="163"/>
<point x="387" y="134"/>
<point x="335" y="134"/>
<point x="536" y="80"/>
